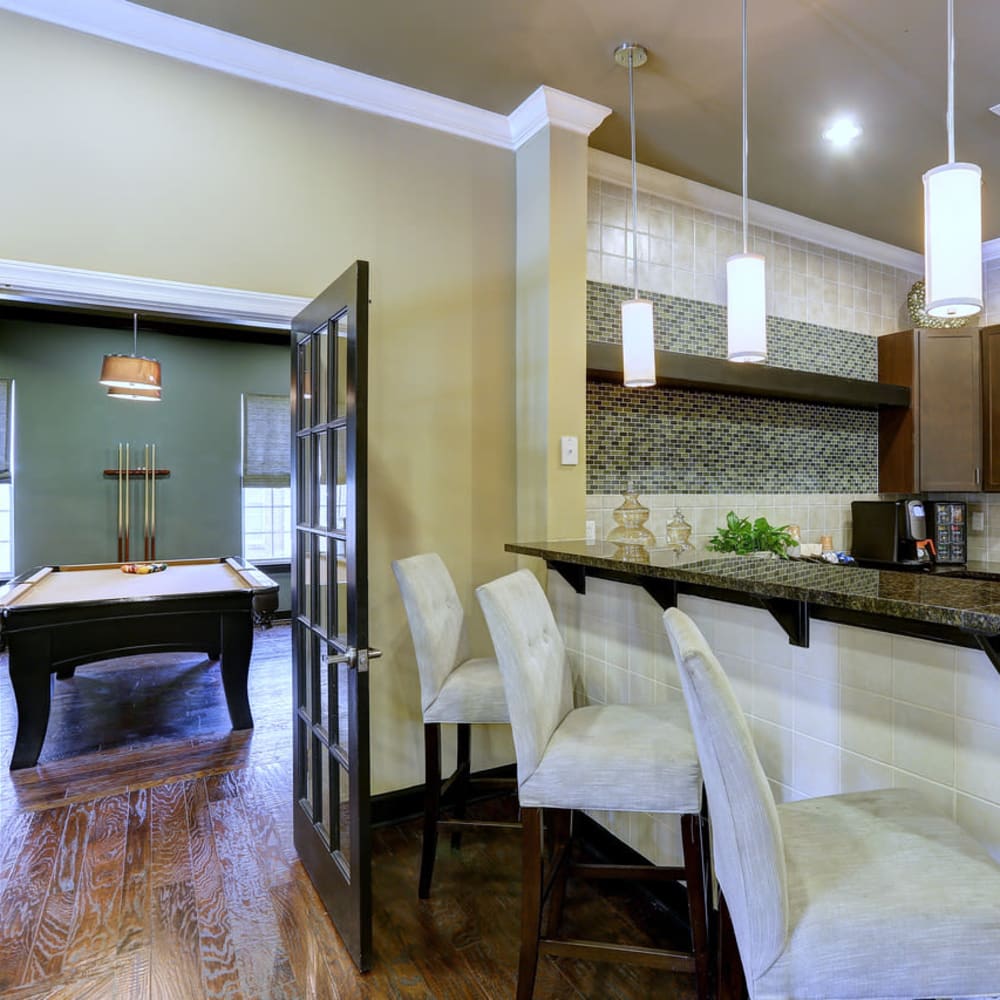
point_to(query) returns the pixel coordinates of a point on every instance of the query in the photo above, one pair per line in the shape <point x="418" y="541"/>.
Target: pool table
<point x="54" y="618"/>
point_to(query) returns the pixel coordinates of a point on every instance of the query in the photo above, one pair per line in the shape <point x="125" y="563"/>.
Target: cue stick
<point x="128" y="498"/>
<point x="145" y="502"/>
<point x="120" y="550"/>
<point x="152" y="508"/>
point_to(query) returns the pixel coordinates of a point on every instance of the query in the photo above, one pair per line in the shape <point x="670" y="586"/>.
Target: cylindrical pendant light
<point x="746" y="306"/>
<point x="746" y="312"/>
<point x="128" y="371"/>
<point x="953" y="221"/>
<point x="638" y="348"/>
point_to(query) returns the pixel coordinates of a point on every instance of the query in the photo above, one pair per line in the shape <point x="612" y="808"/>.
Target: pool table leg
<point x="31" y="679"/>
<point x="237" y="643"/>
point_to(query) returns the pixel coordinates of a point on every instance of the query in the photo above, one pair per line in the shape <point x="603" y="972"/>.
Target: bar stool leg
<point x="432" y="804"/>
<point x="463" y="772"/>
<point x="531" y="901"/>
<point x="692" y="829"/>
<point x="562" y="828"/>
<point x="732" y="985"/>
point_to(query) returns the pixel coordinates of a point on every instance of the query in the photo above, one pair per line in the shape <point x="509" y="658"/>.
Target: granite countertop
<point x="941" y="598"/>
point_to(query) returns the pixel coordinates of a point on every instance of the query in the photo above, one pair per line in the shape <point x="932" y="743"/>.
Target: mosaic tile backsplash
<point x="682" y="441"/>
<point x="676" y="441"/>
<point x="692" y="327"/>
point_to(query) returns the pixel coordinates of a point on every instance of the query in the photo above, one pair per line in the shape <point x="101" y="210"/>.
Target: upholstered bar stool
<point x="625" y="758"/>
<point x="866" y="895"/>
<point x="453" y="689"/>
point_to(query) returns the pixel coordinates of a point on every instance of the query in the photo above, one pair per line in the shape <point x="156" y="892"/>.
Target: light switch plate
<point x="978" y="520"/>
<point x="569" y="450"/>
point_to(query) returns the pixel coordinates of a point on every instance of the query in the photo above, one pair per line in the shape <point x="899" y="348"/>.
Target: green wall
<point x="66" y="429"/>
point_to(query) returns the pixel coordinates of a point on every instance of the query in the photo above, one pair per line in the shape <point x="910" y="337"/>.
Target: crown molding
<point x="23" y="281"/>
<point x="617" y="170"/>
<point x="547" y="106"/>
<point x="167" y="35"/>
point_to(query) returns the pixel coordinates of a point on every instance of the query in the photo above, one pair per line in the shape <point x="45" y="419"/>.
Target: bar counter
<point x="943" y="606"/>
<point x="851" y="678"/>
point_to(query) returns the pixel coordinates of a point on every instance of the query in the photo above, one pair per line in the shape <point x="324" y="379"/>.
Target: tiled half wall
<point x="856" y="710"/>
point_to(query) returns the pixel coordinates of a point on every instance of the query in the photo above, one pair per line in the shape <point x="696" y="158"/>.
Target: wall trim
<point x="23" y="281"/>
<point x="547" y="106"/>
<point x="607" y="167"/>
<point x="165" y="34"/>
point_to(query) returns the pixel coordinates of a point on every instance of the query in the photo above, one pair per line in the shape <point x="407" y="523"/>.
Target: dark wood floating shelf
<point x="691" y="371"/>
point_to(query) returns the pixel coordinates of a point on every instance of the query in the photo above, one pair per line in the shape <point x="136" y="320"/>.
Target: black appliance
<point x="890" y="533"/>
<point x="910" y="534"/>
<point x="947" y="526"/>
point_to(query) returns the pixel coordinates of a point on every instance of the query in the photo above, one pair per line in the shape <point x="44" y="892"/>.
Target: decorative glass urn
<point x="630" y="534"/>
<point x="678" y="533"/>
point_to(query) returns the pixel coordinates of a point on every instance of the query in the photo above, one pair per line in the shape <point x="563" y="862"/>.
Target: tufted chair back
<point x="746" y="834"/>
<point x="436" y="617"/>
<point x="532" y="657"/>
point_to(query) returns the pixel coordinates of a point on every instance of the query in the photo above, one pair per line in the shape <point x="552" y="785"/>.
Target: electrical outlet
<point x="978" y="521"/>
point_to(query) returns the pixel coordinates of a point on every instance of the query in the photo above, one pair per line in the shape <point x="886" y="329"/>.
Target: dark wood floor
<point x="150" y="855"/>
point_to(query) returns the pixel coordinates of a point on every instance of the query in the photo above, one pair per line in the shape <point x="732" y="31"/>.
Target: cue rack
<point x="123" y="474"/>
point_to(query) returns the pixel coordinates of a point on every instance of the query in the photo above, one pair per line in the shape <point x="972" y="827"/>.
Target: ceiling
<point x="884" y="62"/>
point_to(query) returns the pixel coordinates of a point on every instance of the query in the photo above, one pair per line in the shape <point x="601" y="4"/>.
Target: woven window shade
<point x="5" y="405"/>
<point x="267" y="444"/>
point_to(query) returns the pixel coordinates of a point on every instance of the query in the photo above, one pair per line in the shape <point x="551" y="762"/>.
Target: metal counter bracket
<point x="792" y="616"/>
<point x="573" y="573"/>
<point x="664" y="592"/>
<point x="990" y="645"/>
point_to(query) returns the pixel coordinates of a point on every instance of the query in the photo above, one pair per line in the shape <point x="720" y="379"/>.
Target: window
<point x="6" y="498"/>
<point x="267" y="493"/>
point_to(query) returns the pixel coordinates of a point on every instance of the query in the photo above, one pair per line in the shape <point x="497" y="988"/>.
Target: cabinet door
<point x="897" y="425"/>
<point x="950" y="447"/>
<point x="990" y="348"/>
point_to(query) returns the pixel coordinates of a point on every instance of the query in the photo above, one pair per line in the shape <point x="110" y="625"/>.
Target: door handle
<point x="352" y="657"/>
<point x="348" y="656"/>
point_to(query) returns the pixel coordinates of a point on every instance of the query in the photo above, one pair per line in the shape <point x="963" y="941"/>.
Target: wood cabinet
<point x="937" y="444"/>
<point x="990" y="365"/>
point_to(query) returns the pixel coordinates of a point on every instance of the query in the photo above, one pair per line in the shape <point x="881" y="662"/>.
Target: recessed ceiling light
<point x="842" y="132"/>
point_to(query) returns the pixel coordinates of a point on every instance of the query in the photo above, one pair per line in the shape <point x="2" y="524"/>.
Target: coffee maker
<point x="891" y="533"/>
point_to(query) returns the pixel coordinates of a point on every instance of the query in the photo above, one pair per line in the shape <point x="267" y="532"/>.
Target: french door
<point x="330" y="651"/>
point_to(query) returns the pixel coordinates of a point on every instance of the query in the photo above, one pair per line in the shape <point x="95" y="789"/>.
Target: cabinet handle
<point x="978" y="475"/>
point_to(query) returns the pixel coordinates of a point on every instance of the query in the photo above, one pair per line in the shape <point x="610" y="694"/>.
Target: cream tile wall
<point x="683" y="251"/>
<point x="816" y="514"/>
<point x="856" y="710"/>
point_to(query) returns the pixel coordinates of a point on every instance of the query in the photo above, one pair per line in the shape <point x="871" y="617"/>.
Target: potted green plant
<point x="743" y="536"/>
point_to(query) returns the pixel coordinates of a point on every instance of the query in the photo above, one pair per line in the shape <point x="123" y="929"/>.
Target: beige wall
<point x="551" y="320"/>
<point x="123" y="161"/>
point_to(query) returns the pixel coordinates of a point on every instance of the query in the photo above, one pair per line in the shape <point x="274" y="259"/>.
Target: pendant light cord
<point x="950" y="116"/>
<point x="746" y="136"/>
<point x="135" y="335"/>
<point x="635" y="182"/>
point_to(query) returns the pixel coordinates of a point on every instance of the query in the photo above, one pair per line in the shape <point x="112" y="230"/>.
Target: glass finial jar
<point x="678" y="533"/>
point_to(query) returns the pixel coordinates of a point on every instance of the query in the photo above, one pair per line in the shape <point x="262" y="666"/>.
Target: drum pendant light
<point x="638" y="355"/>
<point x="746" y="309"/>
<point x="129" y="371"/>
<point x="953" y="221"/>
